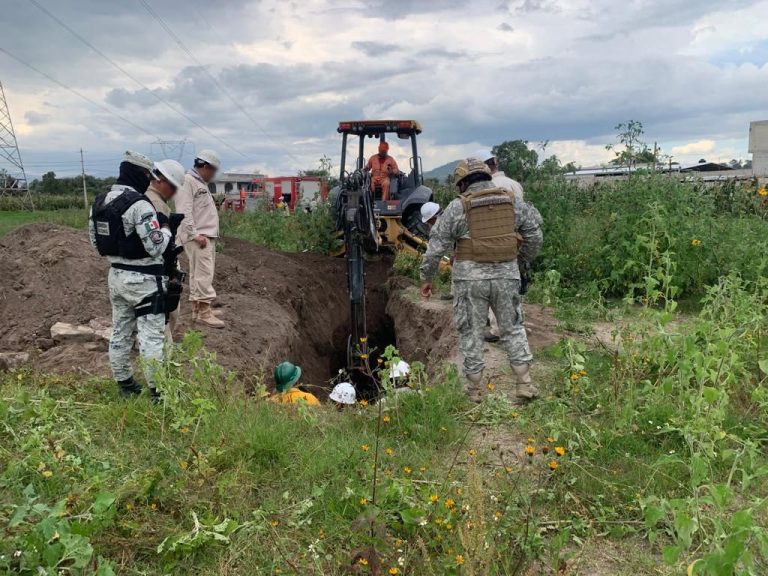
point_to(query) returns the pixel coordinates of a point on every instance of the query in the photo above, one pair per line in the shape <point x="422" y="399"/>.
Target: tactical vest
<point x="111" y="239"/>
<point x="491" y="218"/>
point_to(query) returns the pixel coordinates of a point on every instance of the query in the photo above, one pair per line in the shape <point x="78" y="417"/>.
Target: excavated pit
<point x="277" y="306"/>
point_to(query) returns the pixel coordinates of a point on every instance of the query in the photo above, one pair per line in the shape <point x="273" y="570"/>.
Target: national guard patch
<point x="156" y="237"/>
<point x="102" y="227"/>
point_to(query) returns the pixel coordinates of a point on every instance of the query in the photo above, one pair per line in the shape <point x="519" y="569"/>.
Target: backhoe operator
<point x="381" y="166"/>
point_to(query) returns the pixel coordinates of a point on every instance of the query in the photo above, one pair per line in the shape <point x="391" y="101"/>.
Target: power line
<point x="77" y="93"/>
<point x="131" y="77"/>
<point x="213" y="79"/>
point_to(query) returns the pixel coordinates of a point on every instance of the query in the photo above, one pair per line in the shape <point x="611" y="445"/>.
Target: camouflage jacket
<point x="452" y="225"/>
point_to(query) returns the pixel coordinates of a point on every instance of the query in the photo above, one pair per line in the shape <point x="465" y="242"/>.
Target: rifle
<point x="525" y="276"/>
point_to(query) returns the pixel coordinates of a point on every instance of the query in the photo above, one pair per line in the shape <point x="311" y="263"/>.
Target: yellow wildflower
<point x="695" y="242"/>
<point x="407" y="470"/>
<point x="559" y="450"/>
<point x="389" y="451"/>
<point x="365" y="447"/>
<point x="575" y="376"/>
<point x="153" y="506"/>
<point x="508" y="469"/>
<point x="363" y="356"/>
<point x="47" y="473"/>
<point x="185" y="430"/>
<point x="762" y="191"/>
<point x="514" y="414"/>
<point x="472" y="452"/>
<point x="531" y="440"/>
<point x="553" y="464"/>
<point x="274" y="523"/>
<point x="450" y="503"/>
<point x="394" y="571"/>
<point x="363" y="501"/>
<point x="398" y="542"/>
<point x="362" y="562"/>
<point x="491" y="387"/>
<point x="363" y="403"/>
<point x="129" y="507"/>
<point x="550" y="439"/>
<point x="530" y="450"/>
<point x="497" y="516"/>
<point x="379" y="361"/>
<point x="363" y="339"/>
<point x="459" y="560"/>
<point x="422" y="469"/>
<point x="434" y="498"/>
<point x="386" y="419"/>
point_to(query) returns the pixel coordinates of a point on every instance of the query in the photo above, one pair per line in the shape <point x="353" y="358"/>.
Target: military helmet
<point x="470" y="166"/>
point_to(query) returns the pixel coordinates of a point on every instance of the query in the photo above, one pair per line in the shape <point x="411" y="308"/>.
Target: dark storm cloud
<point x="297" y="69"/>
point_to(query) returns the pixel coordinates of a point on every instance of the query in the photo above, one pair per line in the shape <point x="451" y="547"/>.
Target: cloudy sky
<point x="264" y="82"/>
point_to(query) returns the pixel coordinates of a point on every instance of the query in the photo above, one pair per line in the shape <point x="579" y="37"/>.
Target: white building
<point x="758" y="146"/>
<point x="230" y="183"/>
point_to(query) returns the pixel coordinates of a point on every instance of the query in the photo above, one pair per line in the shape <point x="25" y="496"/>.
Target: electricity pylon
<point x="13" y="178"/>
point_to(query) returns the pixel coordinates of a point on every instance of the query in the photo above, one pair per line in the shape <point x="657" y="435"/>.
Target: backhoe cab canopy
<point x="374" y="128"/>
<point x="404" y="129"/>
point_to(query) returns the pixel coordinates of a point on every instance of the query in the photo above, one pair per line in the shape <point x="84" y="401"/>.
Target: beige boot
<point x="205" y="316"/>
<point x="475" y="389"/>
<point x="525" y="390"/>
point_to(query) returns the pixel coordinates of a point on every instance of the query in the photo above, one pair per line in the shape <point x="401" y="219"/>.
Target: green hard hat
<point x="286" y="375"/>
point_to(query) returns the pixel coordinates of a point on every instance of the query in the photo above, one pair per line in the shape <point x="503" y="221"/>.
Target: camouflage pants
<point x="471" y="301"/>
<point x="126" y="290"/>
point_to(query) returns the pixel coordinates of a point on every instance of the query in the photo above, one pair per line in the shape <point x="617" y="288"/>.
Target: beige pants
<point x="202" y="262"/>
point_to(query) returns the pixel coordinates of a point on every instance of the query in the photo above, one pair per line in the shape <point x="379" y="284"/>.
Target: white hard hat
<point x="399" y="370"/>
<point x="343" y="393"/>
<point x="210" y="157"/>
<point x="138" y="159"/>
<point x="429" y="211"/>
<point x="171" y="171"/>
<point x="484" y="154"/>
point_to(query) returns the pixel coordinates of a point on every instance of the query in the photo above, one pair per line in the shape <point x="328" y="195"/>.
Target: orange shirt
<point x="381" y="169"/>
<point x="293" y="396"/>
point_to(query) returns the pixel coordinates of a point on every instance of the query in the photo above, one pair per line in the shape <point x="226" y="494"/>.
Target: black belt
<point x="151" y="269"/>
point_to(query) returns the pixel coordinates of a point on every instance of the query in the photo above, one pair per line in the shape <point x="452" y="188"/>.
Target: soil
<point x="276" y="306"/>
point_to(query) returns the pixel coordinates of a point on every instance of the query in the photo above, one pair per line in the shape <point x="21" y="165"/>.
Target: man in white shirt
<point x="498" y="177"/>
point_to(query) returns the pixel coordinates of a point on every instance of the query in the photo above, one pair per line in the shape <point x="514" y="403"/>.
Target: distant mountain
<point x="441" y="172"/>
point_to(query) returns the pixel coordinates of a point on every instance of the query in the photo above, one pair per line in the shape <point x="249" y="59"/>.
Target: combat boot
<point x="525" y="391"/>
<point x="129" y="387"/>
<point x="475" y="389"/>
<point x="205" y="316"/>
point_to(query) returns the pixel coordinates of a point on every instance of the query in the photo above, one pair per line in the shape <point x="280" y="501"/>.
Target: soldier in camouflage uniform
<point x="491" y="232"/>
<point x="124" y="227"/>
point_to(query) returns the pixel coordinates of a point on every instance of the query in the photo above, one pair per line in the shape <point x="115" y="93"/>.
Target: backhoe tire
<point x="412" y="220"/>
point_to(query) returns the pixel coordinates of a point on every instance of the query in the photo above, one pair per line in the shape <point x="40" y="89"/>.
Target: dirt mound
<point x="276" y="305"/>
<point x="425" y="328"/>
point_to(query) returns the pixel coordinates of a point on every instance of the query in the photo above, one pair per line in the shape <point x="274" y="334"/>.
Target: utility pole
<point x="85" y="189"/>
<point x="13" y="178"/>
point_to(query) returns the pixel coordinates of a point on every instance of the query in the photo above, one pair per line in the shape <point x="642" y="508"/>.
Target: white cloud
<point x="699" y="147"/>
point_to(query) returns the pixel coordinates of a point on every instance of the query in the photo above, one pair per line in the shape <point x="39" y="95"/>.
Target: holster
<point x="154" y="303"/>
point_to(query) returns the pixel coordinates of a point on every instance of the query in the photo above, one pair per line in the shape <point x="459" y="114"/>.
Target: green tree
<point x="630" y="150"/>
<point x="516" y="159"/>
